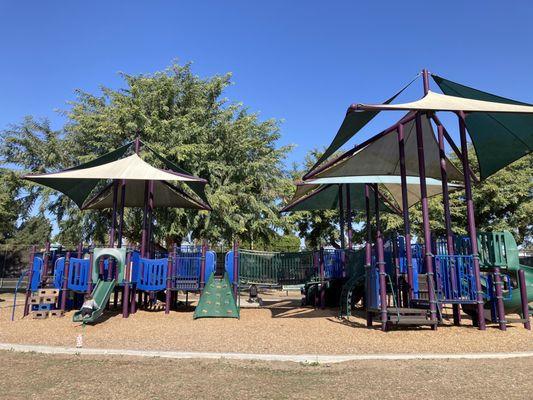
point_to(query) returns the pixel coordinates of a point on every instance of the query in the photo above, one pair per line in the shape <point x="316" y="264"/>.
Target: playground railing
<point x="333" y="263"/>
<point x="455" y="279"/>
<point x="270" y="268"/>
<point x="186" y="270"/>
<point x="152" y="274"/>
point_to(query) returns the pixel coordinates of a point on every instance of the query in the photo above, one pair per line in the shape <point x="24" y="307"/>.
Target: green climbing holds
<point x="216" y="300"/>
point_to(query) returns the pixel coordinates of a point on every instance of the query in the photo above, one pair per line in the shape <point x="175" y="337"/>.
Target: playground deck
<point x="281" y="328"/>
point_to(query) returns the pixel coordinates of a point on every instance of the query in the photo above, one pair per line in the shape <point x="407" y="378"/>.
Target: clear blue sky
<point x="300" y="61"/>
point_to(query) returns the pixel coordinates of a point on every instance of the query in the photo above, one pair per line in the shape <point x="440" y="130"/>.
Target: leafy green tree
<point x="186" y="119"/>
<point x="35" y="230"/>
<point x="9" y="207"/>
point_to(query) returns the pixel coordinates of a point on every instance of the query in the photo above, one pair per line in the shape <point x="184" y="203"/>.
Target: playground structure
<point x="136" y="273"/>
<point x="105" y="272"/>
<point x="464" y="272"/>
<point x="398" y="282"/>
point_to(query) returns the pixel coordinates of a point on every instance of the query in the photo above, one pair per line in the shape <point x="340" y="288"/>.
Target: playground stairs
<point x="217" y="300"/>
<point x="424" y="304"/>
<point x="347" y="298"/>
<point x="43" y="303"/>
<point x="405" y="316"/>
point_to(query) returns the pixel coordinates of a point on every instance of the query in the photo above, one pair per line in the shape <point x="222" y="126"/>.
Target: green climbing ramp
<point x="216" y="300"/>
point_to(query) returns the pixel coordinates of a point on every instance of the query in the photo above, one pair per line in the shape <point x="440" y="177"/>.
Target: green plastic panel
<point x="117" y="254"/>
<point x="216" y="300"/>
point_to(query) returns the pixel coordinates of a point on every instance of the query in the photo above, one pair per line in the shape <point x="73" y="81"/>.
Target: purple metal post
<point x="121" y="212"/>
<point x="322" y="270"/>
<point x="46" y="261"/>
<point x="145" y="220"/>
<point x="80" y="250"/>
<point x="428" y="257"/>
<point x="202" y="264"/>
<point x="448" y="223"/>
<point x="126" y="292"/>
<point x="150" y="240"/>
<point x="349" y="216"/>
<point x="137" y="145"/>
<point x="471" y="222"/>
<point x="113" y="215"/>
<point x="235" y="267"/>
<point x="30" y="278"/>
<point x="169" y="284"/>
<point x="341" y="217"/>
<point x="90" y="278"/>
<point x="425" y="80"/>
<point x="523" y="298"/>
<point x="65" y="282"/>
<point x="405" y="213"/>
<point x="380" y="263"/>
<point x="498" y="286"/>
<point x="368" y="249"/>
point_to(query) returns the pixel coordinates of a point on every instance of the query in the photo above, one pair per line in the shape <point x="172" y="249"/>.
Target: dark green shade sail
<point x="353" y="122"/>
<point x="326" y="197"/>
<point x="498" y="138"/>
<point x="76" y="189"/>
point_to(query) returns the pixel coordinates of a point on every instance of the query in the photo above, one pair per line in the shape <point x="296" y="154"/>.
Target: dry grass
<point x="281" y="328"/>
<point x="36" y="376"/>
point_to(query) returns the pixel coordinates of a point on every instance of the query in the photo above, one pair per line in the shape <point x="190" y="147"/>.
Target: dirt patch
<point x="75" y="377"/>
<point x="282" y="328"/>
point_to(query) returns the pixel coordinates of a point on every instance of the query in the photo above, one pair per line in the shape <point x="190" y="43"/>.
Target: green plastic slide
<point x="101" y="293"/>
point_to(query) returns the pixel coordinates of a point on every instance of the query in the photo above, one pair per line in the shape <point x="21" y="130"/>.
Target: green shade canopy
<point x="498" y="138"/>
<point x="392" y="184"/>
<point x="79" y="189"/>
<point x="309" y="197"/>
<point x="78" y="182"/>
<point x="381" y="156"/>
<point x="165" y="195"/>
<point x="501" y="129"/>
<point x="353" y="122"/>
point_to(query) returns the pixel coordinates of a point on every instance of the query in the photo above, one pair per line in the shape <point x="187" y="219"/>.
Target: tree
<point x="186" y="119"/>
<point x="318" y="227"/>
<point x="9" y="207"/>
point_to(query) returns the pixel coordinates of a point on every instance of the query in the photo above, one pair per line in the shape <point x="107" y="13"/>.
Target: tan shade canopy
<point x="381" y="157"/>
<point x="390" y="183"/>
<point x="129" y="168"/>
<point x="165" y="195"/>
<point x="442" y="102"/>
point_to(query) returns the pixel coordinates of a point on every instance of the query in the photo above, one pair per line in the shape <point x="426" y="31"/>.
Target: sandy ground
<point x="36" y="376"/>
<point x="281" y="328"/>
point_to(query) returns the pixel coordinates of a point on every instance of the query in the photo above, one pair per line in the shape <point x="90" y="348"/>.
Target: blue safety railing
<point x="78" y="274"/>
<point x="186" y="269"/>
<point x="372" y="287"/>
<point x="333" y="263"/>
<point x="152" y="274"/>
<point x="454" y="278"/>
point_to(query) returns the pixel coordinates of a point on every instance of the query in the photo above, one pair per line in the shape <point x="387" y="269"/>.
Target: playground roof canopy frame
<point x="501" y="129"/>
